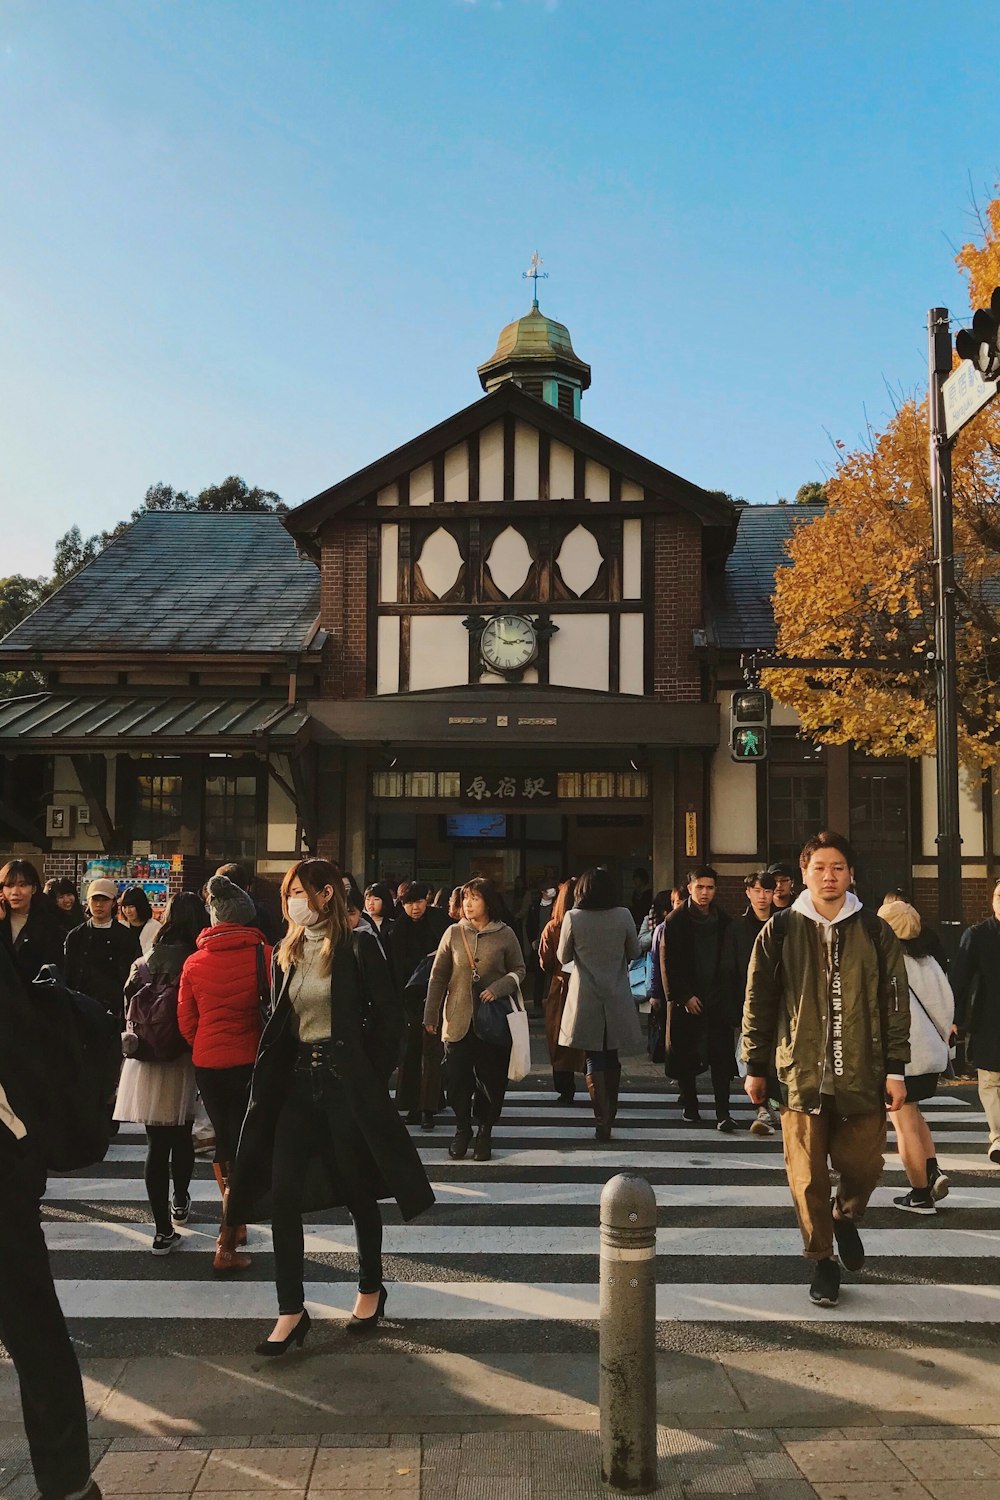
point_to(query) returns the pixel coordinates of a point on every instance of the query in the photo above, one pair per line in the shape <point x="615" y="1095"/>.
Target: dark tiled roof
<point x="184" y="581"/>
<point x="193" y="721"/>
<point x="740" y="613"/>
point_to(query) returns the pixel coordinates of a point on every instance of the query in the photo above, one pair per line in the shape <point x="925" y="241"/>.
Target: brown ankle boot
<point x="597" y="1088"/>
<point x="227" y="1261"/>
<point x="614" y="1077"/>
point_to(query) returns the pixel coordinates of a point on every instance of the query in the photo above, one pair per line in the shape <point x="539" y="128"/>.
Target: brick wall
<point x="677" y="579"/>
<point x="343" y="607"/>
<point x="977" y="897"/>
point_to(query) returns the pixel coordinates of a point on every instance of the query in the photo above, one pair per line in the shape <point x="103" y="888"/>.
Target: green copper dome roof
<point x="535" y="340"/>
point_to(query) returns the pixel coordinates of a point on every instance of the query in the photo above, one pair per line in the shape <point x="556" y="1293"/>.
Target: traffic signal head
<point x="749" y="721"/>
<point x="981" y="344"/>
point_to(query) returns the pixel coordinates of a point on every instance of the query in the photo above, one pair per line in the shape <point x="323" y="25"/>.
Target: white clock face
<point x="508" y="642"/>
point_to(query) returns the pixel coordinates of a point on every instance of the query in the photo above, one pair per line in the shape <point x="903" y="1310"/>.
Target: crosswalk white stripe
<point x="533" y="1301"/>
<point x="449" y="1240"/>
<point x="680" y="1195"/>
<point x="651" y="1138"/>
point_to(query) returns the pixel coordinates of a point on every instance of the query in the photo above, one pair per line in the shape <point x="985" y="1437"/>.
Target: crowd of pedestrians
<point x="289" y="1030"/>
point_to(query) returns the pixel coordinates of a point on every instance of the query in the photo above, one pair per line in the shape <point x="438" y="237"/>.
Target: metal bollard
<point x="628" y="1334"/>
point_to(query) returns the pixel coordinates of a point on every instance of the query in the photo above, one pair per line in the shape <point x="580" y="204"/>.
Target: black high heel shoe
<point x="271" y="1347"/>
<point x="366" y="1325"/>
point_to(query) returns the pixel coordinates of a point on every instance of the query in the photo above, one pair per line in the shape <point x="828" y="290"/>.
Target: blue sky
<point x="276" y="240"/>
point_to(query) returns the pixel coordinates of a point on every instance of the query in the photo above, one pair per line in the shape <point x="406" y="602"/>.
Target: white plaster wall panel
<point x="389" y="495"/>
<point x="422" y="485"/>
<point x="734" y="805"/>
<point x="456" y="474"/>
<point x="733" y="794"/>
<point x="631" y="678"/>
<point x="632" y="559"/>
<point x="579" y="560"/>
<point x="598" y="485"/>
<point x="631" y="490"/>
<point x="67" y="792"/>
<point x="281" y="823"/>
<point x="928" y="806"/>
<point x="491" y="462"/>
<point x="509" y="561"/>
<point x="781" y="714"/>
<point x="561" y="469"/>
<point x="439" y="652"/>
<point x="970" y="816"/>
<point x="387" y="665"/>
<point x="580" y="652"/>
<point x="525" y="462"/>
<point x="440" y="561"/>
<point x="388" y="588"/>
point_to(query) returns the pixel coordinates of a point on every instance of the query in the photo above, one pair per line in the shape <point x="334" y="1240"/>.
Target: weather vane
<point x="534" y="273"/>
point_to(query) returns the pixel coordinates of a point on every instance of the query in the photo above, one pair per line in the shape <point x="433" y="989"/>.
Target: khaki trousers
<point x="989" y="1097"/>
<point x="853" y="1146"/>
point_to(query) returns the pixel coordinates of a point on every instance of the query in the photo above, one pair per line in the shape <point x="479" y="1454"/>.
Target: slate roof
<point x="183" y="581"/>
<point x="739" y="603"/>
<point x="189" y="720"/>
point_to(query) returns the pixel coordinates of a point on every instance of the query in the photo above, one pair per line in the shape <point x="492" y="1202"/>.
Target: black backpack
<point x="78" y="1044"/>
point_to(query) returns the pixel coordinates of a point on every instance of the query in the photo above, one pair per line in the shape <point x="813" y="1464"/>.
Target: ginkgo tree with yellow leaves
<point x="860" y="580"/>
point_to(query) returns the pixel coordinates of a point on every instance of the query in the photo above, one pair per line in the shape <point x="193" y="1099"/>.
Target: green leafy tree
<point x="810" y="492"/>
<point x="18" y="597"/>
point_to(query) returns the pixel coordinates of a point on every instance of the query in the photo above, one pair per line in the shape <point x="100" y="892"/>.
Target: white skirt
<point x="154" y="1093"/>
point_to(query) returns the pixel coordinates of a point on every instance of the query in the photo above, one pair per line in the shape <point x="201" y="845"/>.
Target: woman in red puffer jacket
<point x="219" y="1013"/>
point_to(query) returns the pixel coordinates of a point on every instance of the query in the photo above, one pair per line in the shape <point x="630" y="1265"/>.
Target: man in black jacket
<point x="975" y="978"/>
<point x="701" y="1031"/>
<point x="418" y="930"/>
<point x="100" y="954"/>
<point x="31" y="1322"/>
<point x="737" y="946"/>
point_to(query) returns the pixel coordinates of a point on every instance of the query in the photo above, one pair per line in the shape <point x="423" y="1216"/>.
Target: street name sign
<point x="965" y="392"/>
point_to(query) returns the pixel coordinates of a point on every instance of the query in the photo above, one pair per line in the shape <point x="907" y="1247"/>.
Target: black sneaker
<point x="483" y="1149"/>
<point x="938" y="1184"/>
<point x="458" y="1147"/>
<point x="426" y="1120"/>
<point x="917" y="1201"/>
<point x="728" y="1126"/>
<point x="164" y="1243"/>
<point x="852" y="1251"/>
<point x="825" y="1288"/>
<point x="181" y="1212"/>
<point x="994" y="1153"/>
<point x="691" y="1117"/>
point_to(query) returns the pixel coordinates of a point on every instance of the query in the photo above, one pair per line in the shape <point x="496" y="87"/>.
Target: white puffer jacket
<point x="932" y="1012"/>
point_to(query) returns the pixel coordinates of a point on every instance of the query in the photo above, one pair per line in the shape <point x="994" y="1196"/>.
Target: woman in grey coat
<point x="599" y="939"/>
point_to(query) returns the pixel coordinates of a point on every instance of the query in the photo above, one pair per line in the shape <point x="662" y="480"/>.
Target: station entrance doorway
<point x="516" y="851"/>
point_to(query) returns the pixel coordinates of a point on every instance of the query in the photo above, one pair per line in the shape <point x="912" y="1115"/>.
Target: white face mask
<point x="301" y="913"/>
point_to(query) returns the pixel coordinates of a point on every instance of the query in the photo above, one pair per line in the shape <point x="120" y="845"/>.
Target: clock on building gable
<point x="509" y="643"/>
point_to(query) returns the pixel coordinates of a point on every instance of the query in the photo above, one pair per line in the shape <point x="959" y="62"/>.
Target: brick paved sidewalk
<point x="752" y="1463"/>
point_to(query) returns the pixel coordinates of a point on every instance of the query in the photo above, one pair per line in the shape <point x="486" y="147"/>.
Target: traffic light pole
<point x="949" y="838"/>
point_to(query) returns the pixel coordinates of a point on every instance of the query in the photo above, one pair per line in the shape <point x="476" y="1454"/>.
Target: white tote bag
<point x="520" y="1052"/>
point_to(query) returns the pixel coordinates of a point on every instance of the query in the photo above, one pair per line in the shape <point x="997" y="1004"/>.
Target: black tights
<point x="169" y="1152"/>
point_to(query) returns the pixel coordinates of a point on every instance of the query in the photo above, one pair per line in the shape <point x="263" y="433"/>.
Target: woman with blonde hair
<point x="566" y="1061"/>
<point x="321" y="1130"/>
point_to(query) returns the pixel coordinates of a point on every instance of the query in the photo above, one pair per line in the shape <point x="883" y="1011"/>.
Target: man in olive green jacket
<point x="828" y="998"/>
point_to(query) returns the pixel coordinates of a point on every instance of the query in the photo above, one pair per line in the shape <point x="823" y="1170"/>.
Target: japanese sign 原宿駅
<point x="499" y="787"/>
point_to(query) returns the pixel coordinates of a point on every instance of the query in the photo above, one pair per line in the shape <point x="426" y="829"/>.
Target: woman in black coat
<point x="28" y="927"/>
<point x="321" y="1130"/>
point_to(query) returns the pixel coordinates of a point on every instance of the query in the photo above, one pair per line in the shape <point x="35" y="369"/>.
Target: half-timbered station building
<point x="503" y="647"/>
